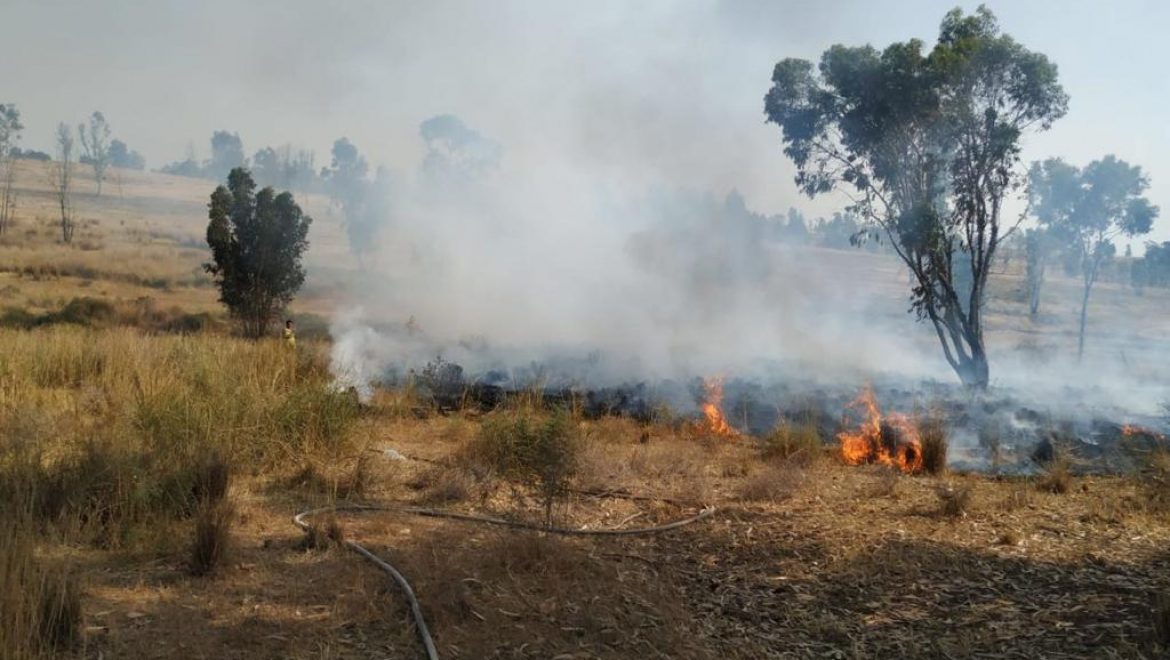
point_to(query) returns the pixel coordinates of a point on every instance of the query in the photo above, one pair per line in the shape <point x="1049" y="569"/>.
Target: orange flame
<point x="890" y="441"/>
<point x="716" y="424"/>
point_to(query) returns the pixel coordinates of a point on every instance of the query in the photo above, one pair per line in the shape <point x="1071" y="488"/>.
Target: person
<point x="290" y="337"/>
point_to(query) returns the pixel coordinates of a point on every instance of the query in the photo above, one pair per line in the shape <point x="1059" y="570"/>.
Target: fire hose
<point x="415" y="609"/>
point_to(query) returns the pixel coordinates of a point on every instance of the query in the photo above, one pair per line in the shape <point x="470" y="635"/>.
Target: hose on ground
<point x="424" y="634"/>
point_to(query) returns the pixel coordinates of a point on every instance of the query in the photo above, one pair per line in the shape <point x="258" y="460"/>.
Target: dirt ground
<point x="798" y="561"/>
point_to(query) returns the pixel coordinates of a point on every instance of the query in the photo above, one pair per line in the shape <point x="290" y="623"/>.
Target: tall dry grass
<point x="103" y="431"/>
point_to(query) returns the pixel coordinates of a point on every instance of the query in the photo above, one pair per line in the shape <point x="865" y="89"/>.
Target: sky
<point x="640" y="93"/>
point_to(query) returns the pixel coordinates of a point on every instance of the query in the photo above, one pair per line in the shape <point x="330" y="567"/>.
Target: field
<point x="151" y="463"/>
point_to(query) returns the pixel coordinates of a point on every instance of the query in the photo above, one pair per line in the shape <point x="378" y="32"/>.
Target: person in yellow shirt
<point x="290" y="337"/>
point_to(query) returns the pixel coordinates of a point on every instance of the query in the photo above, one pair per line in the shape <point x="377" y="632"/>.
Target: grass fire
<point x="890" y="440"/>
<point x="528" y="330"/>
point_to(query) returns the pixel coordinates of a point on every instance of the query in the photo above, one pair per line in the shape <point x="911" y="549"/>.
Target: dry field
<point x="150" y="465"/>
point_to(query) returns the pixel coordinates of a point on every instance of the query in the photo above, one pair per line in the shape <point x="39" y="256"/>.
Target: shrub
<point x="932" y="434"/>
<point x="540" y="453"/>
<point x="793" y="442"/>
<point x="954" y="499"/>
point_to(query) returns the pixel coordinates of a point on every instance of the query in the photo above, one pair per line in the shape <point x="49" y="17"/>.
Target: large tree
<point x="95" y="143"/>
<point x="256" y="240"/>
<point x="1088" y="210"/>
<point x="926" y="144"/>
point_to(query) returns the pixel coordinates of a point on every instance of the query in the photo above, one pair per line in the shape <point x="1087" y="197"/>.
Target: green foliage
<point x="540" y="452"/>
<point x="256" y="240"/>
<point x="1086" y="210"/>
<point x="798" y="442"/>
<point x="929" y="145"/>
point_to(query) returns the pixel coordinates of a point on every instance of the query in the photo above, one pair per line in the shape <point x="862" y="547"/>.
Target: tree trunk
<point x="964" y="351"/>
<point x="1084" y="318"/>
<point x="1034" y="291"/>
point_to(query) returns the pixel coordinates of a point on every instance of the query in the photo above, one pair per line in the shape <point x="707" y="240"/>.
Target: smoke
<point x="500" y="267"/>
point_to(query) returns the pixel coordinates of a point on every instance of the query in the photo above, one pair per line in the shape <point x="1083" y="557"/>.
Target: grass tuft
<point x="773" y="484"/>
<point x="1057" y="477"/>
<point x="954" y="499"/>
<point x="212" y="539"/>
<point x="932" y="433"/>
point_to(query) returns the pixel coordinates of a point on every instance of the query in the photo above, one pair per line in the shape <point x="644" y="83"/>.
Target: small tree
<point x="256" y="240"/>
<point x="95" y="143"/>
<point x="61" y="179"/>
<point x="1095" y="206"/>
<point x="928" y="145"/>
<point x="10" y="128"/>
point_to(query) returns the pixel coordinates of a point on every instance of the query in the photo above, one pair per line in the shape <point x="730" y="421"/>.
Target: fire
<point x="1131" y="430"/>
<point x="892" y="440"/>
<point x="716" y="424"/>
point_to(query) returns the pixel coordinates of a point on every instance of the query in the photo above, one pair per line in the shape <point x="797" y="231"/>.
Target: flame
<point x="1130" y="430"/>
<point x="889" y="441"/>
<point x="715" y="423"/>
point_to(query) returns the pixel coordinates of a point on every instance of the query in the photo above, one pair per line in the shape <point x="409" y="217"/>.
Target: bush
<point x="932" y="434"/>
<point x="788" y="441"/>
<point x="540" y="453"/>
<point x="1154" y="478"/>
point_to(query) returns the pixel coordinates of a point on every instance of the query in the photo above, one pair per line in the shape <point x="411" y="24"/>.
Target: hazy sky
<point x="638" y="92"/>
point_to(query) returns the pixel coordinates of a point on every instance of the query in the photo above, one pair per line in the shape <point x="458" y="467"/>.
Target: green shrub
<point x="539" y="452"/>
<point x="801" y="442"/>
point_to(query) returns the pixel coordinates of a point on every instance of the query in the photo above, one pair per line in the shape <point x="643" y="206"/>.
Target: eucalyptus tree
<point x="926" y="143"/>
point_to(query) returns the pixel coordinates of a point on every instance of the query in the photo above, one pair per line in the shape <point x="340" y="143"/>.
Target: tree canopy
<point x="926" y="144"/>
<point x="256" y="240"/>
<point x="1085" y="210"/>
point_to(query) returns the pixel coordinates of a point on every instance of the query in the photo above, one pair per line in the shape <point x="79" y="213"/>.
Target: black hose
<point x="424" y="633"/>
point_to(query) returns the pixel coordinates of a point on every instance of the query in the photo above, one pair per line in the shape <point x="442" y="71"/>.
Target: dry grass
<point x="932" y="433"/>
<point x="40" y="606"/>
<point x="954" y="499"/>
<point x="1154" y="476"/>
<point x="1057" y="477"/>
<point x="212" y="536"/>
<point x="772" y="484"/>
<point x="885" y="483"/>
<point x="1160" y="613"/>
